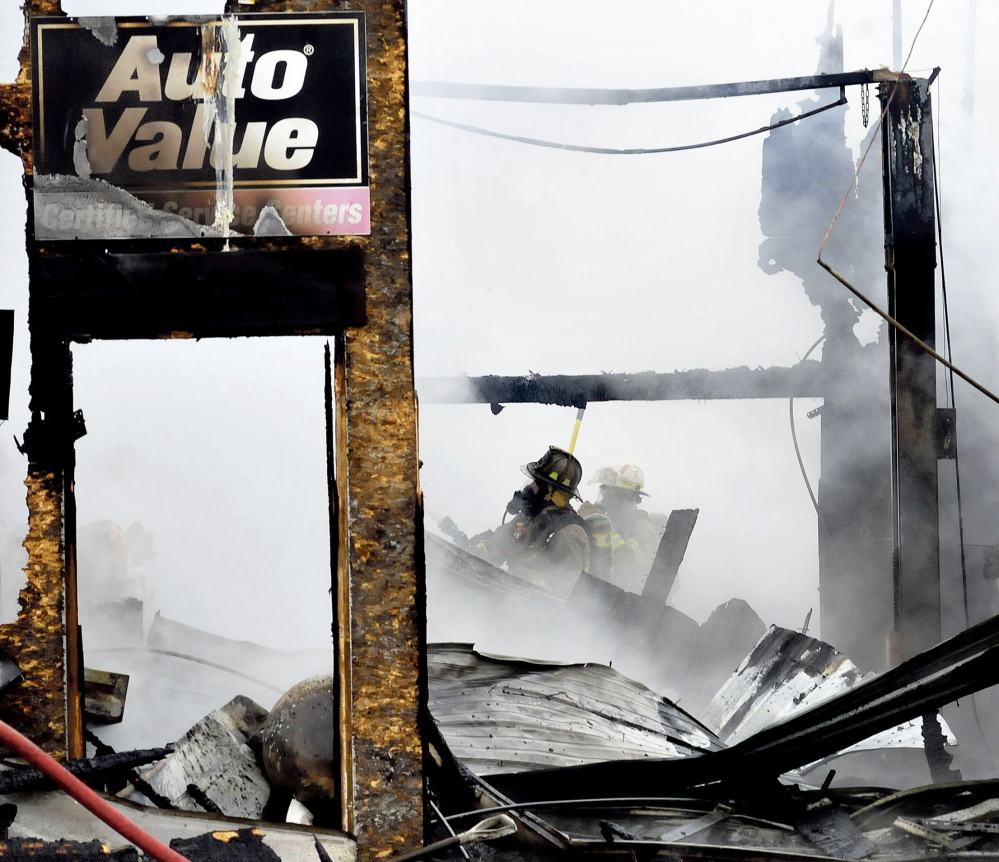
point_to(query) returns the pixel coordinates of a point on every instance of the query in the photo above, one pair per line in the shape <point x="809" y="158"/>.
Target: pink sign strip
<point x="307" y="212"/>
<point x="344" y="211"/>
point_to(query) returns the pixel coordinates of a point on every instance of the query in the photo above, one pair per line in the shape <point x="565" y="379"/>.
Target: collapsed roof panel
<point x="785" y="673"/>
<point x="509" y="715"/>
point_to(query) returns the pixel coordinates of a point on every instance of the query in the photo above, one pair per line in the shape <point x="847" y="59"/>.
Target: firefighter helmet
<point x="556" y="468"/>
<point x="621" y="474"/>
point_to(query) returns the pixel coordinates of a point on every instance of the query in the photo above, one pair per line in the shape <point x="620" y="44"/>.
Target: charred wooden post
<point x="381" y="589"/>
<point x="910" y="259"/>
<point x="379" y="585"/>
<point x="384" y="515"/>
<point x="43" y="640"/>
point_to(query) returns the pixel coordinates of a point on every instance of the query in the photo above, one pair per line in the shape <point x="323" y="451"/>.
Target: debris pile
<point x="230" y="768"/>
<point x="532" y="738"/>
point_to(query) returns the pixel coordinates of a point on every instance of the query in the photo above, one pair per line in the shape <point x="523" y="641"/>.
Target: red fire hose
<point x="87" y="797"/>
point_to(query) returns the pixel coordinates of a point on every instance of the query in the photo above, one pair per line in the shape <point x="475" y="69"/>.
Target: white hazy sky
<point x="531" y="259"/>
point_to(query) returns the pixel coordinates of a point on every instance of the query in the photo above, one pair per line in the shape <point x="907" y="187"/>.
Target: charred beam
<point x="801" y="381"/>
<point x="910" y="261"/>
<point x="91" y="769"/>
<point x="589" y="96"/>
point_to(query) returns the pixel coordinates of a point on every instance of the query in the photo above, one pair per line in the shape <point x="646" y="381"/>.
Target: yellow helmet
<point x="621" y="474"/>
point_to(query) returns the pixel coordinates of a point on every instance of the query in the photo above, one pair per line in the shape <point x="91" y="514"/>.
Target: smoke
<point x="226" y="470"/>
<point x="570" y="263"/>
<point x="539" y="260"/>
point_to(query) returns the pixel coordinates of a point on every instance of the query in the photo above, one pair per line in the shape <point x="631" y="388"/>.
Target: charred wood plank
<point x="6" y="355"/>
<point x="45" y="851"/>
<point x="592" y="96"/>
<point x="89" y="769"/>
<point x="95" y="292"/>
<point x="800" y="381"/>
<point x="672" y="547"/>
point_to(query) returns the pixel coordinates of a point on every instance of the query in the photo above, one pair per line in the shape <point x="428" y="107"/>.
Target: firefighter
<point x="545" y="541"/>
<point x="630" y="535"/>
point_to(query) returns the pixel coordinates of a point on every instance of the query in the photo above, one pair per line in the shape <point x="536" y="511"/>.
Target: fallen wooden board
<point x="672" y="547"/>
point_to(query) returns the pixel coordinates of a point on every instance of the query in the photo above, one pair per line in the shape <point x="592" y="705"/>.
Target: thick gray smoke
<point x="530" y="259"/>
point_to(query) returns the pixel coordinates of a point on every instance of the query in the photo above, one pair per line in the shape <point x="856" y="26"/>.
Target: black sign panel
<point x="96" y="292"/>
<point x="170" y="127"/>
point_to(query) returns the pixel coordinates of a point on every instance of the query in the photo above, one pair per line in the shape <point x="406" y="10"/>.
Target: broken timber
<point x="590" y="96"/>
<point x="801" y="381"/>
<point x="672" y="547"/>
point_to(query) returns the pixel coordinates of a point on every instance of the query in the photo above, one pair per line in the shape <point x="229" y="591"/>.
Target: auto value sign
<point x="187" y="127"/>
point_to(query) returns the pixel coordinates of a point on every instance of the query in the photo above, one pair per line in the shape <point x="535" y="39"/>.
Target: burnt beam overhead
<point x="801" y="381"/>
<point x="592" y="96"/>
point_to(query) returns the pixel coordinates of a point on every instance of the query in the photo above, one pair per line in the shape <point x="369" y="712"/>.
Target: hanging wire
<point x="449" y="827"/>
<point x="577" y="148"/>
<point x="915" y="38"/>
<point x="951" y="397"/>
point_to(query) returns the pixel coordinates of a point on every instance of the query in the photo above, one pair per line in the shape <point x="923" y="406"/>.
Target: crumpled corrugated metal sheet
<point x="788" y="672"/>
<point x="502" y="715"/>
<point x="785" y="673"/>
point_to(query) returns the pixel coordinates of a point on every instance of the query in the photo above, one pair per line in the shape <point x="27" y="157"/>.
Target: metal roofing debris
<point x="966" y="663"/>
<point x="510" y="715"/>
<point x="785" y="673"/>
<point x="788" y="672"/>
<point x="725" y="803"/>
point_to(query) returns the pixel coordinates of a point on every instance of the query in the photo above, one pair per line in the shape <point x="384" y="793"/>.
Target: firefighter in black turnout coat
<point x="545" y="541"/>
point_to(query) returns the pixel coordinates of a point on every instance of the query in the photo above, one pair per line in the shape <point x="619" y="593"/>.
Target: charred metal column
<point x="910" y="260"/>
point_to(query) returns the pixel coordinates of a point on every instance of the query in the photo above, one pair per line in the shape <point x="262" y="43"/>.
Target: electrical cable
<point x="87" y="797"/>
<point x="922" y="345"/>
<point x="448" y="826"/>
<point x="953" y="394"/>
<point x="577" y="148"/>
<point x="794" y="435"/>
<point x="916" y="37"/>
<point x="196" y="660"/>
<point x="497" y="826"/>
<point x="953" y="402"/>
